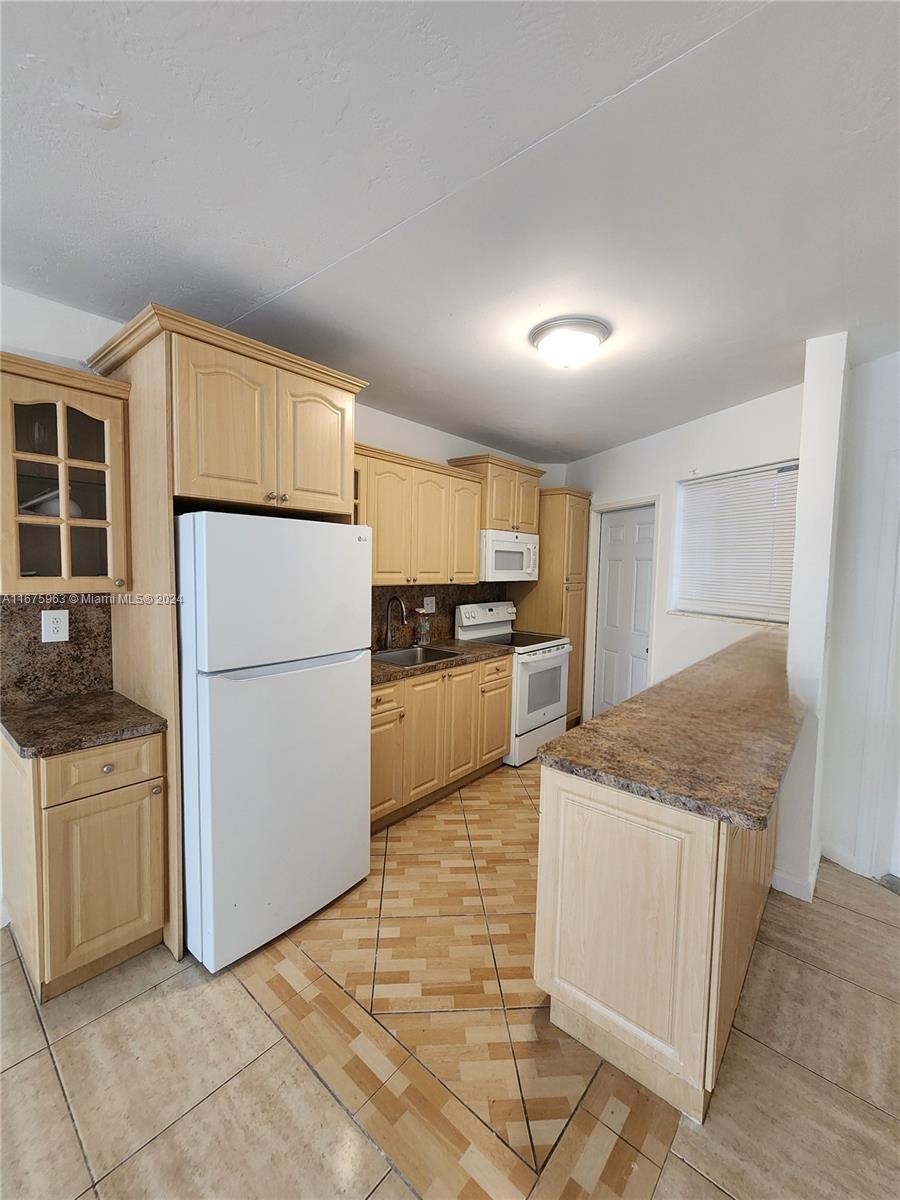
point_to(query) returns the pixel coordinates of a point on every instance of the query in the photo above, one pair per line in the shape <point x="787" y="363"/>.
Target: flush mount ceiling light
<point x="569" y="341"/>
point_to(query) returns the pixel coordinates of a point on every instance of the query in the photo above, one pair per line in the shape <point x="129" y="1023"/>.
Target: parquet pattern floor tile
<point x="412" y="996"/>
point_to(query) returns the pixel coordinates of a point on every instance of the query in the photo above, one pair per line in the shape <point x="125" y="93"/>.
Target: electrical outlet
<point x="428" y="604"/>
<point x="55" y="625"/>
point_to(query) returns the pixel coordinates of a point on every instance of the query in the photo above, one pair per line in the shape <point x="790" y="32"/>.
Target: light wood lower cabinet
<point x="573" y="628"/>
<point x="84" y="878"/>
<point x="434" y="729"/>
<point x="388" y="762"/>
<point x="494" y="720"/>
<point x="103" y="871"/>
<point x="426" y="704"/>
<point x="461" y="689"/>
<point x="638" y="940"/>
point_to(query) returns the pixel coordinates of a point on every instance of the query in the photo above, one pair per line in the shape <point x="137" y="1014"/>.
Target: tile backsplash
<point x="32" y="670"/>
<point x="446" y="597"/>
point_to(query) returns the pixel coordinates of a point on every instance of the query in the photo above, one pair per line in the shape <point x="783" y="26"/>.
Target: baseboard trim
<point x="791" y="885"/>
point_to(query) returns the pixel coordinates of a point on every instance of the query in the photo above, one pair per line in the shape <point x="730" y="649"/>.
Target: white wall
<point x="381" y="429"/>
<point x="860" y="798"/>
<point x="40" y="328"/>
<point x="761" y="431"/>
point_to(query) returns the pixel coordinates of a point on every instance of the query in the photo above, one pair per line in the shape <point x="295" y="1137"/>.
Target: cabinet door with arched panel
<point x="224" y="415"/>
<point x="315" y="445"/>
<point x="63" y="489"/>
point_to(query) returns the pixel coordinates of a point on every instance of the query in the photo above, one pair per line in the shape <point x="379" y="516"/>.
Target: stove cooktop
<point x="521" y="641"/>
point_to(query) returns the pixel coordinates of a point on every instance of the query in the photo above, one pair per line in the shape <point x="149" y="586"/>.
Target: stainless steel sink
<point x="414" y="657"/>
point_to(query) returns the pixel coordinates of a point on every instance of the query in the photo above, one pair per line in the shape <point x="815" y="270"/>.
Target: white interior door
<point x="624" y="605"/>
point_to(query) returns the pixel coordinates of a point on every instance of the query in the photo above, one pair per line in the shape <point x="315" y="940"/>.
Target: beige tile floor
<point x="396" y="1045"/>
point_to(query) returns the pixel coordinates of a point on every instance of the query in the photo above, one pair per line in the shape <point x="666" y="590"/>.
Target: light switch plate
<point x="55" y="625"/>
<point x="428" y="604"/>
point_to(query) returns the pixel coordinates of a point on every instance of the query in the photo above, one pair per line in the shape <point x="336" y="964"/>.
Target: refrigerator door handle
<point x="288" y="668"/>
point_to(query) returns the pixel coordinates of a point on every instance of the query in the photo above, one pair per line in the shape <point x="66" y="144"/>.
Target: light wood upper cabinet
<point x="424" y="519"/>
<point x="430" y="527"/>
<point x="462" y="733"/>
<point x="315" y="445"/>
<point x="388" y="788"/>
<point x="501" y="496"/>
<point x="63" y="512"/>
<point x="511" y="492"/>
<point x="528" y="503"/>
<point x="389" y="493"/>
<point x="573" y="628"/>
<point x="225" y="417"/>
<point x="103" y="874"/>
<point x="578" y="510"/>
<point x="465" y="523"/>
<point x="426" y="700"/>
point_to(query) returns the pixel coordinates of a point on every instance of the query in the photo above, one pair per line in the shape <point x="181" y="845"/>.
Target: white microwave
<point x="508" y="556"/>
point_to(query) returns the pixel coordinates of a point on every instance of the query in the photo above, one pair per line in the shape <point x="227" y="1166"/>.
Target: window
<point x="735" y="543"/>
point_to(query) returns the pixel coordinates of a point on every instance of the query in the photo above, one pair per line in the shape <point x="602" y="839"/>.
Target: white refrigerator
<point x="275" y="620"/>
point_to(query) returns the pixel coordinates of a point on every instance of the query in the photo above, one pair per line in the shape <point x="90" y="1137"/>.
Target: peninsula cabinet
<point x="63" y="509"/>
<point x="434" y="730"/>
<point x="424" y="519"/>
<point x="83" y="858"/>
<point x="556" y="602"/>
<point x="511" y="492"/>
<point x="646" y="919"/>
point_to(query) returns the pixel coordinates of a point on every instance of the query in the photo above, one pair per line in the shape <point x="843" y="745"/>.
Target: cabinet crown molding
<point x="422" y="463"/>
<point x="566" y="491"/>
<point x="44" y="372"/>
<point x="495" y="461"/>
<point x="155" y="319"/>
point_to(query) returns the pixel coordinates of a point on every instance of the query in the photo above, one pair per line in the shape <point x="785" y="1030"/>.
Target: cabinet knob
<point x="120" y="582"/>
<point x="283" y="497"/>
<point x="408" y="579"/>
<point x="451" y="578"/>
<point x="378" y="699"/>
<point x="415" y="579"/>
<point x="107" y="768"/>
<point x="402" y="713"/>
<point x="156" y="790"/>
<point x="271" y="495"/>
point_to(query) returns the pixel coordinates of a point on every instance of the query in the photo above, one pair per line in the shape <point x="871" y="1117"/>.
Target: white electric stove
<point x="540" y="674"/>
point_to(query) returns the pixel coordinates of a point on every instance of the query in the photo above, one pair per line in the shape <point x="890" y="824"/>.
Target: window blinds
<point x="735" y="548"/>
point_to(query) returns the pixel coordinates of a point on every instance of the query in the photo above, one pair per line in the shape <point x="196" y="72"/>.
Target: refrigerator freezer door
<point x="281" y="802"/>
<point x="272" y="589"/>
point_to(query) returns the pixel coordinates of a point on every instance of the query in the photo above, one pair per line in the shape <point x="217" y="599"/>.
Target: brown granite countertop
<point x="469" y="653"/>
<point x="48" y="727"/>
<point x="714" y="739"/>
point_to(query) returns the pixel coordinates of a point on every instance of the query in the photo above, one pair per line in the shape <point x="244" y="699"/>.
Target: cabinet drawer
<point x="496" y="668"/>
<point x="387" y="697"/>
<point x="85" y="772"/>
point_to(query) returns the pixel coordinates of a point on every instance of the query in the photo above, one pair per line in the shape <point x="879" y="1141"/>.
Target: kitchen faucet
<point x="387" y="619"/>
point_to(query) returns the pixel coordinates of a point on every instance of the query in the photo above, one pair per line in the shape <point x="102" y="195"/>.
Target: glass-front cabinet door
<point x="63" y="489"/>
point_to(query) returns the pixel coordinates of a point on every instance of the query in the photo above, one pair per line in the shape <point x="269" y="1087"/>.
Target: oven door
<point x="542" y="681"/>
<point x="508" y="556"/>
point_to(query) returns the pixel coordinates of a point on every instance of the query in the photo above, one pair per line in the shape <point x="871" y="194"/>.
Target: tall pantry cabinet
<point x="556" y="603"/>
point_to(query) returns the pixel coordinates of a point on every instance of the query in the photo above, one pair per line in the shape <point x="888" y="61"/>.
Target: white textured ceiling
<point x="403" y="190"/>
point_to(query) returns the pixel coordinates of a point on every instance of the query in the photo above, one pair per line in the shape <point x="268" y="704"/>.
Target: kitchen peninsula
<point x="657" y="847"/>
